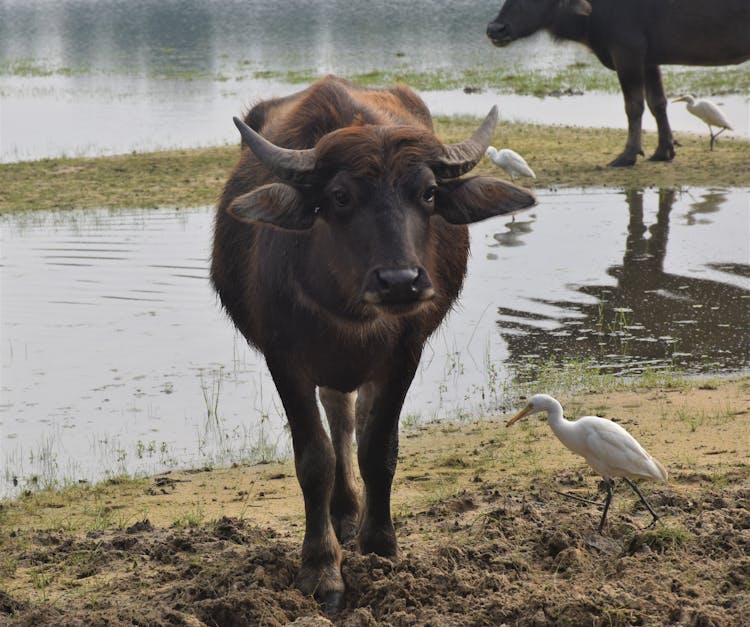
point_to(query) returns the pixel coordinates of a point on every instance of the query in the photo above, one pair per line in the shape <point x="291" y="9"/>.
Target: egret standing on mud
<point x="606" y="446"/>
<point x="510" y="161"/>
<point x="709" y="113"/>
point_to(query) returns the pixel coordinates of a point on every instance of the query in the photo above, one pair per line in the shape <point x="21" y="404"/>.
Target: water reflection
<point x="707" y="204"/>
<point x="650" y="317"/>
<point x="515" y="230"/>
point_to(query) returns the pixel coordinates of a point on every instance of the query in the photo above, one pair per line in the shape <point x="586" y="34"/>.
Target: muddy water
<point x="116" y="356"/>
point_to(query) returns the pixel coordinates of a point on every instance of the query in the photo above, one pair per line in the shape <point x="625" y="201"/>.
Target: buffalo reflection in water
<point x="650" y="318"/>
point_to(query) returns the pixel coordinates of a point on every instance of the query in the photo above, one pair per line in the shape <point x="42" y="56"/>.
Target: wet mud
<point x="487" y="556"/>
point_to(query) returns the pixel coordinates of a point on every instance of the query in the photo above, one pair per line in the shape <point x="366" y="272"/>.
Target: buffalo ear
<point x="578" y="7"/>
<point x="276" y="204"/>
<point x="463" y="201"/>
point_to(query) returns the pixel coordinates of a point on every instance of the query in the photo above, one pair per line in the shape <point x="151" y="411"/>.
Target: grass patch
<point x="561" y="156"/>
<point x="75" y="509"/>
<point x="585" y="375"/>
<point x="661" y="539"/>
<point x="179" y="178"/>
<point x="35" y="68"/>
<point x="577" y="78"/>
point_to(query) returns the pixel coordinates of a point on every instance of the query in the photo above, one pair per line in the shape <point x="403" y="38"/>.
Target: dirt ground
<point x="488" y="531"/>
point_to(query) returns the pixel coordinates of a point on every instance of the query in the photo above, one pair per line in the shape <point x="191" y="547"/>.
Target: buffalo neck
<point x="570" y="27"/>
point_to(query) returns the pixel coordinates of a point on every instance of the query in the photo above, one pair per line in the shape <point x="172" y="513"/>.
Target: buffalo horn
<point x="291" y="166"/>
<point x="462" y="157"/>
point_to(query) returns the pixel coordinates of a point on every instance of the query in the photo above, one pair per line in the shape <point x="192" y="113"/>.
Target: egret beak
<point x="680" y="99"/>
<point x="520" y="414"/>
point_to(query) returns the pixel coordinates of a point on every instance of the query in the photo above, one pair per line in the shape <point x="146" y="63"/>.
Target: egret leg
<point x="643" y="499"/>
<point x="714" y="136"/>
<point x="576" y="497"/>
<point x="606" y="504"/>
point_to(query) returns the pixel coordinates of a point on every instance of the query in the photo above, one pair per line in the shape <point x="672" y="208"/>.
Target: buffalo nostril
<point x="397" y="278"/>
<point x="398" y="286"/>
<point x="495" y="30"/>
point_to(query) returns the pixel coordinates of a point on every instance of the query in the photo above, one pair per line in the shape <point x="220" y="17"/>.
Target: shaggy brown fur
<point x="339" y="277"/>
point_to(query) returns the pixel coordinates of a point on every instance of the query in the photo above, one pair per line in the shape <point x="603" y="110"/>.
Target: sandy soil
<point x="487" y="527"/>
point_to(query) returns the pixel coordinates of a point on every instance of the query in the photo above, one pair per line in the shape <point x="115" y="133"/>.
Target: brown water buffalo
<point x="635" y="37"/>
<point x="340" y="244"/>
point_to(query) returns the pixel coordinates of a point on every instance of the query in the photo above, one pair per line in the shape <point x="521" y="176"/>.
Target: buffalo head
<point x="367" y="195"/>
<point x="521" y="18"/>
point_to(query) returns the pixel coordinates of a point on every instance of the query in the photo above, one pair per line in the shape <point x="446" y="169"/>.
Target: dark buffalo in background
<point x="635" y="37"/>
<point x="340" y="244"/>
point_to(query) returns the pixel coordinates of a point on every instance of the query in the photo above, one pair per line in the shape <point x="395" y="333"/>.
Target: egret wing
<point x="613" y="452"/>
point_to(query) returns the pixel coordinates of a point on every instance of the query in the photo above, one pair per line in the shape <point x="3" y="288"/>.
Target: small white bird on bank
<point x="510" y="161"/>
<point x="709" y="113"/>
<point x="606" y="446"/>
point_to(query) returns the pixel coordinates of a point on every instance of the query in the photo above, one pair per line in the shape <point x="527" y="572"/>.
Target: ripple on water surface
<point x="116" y="355"/>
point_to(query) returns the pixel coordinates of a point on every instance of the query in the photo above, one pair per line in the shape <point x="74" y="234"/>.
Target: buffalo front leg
<point x="339" y="408"/>
<point x="315" y="463"/>
<point x="378" y="409"/>
<point x="630" y="75"/>
<point x="657" y="104"/>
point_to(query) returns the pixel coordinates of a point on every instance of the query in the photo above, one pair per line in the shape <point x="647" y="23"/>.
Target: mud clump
<point x="484" y="557"/>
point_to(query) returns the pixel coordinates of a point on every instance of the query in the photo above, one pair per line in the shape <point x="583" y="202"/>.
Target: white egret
<point x="606" y="446"/>
<point x="709" y="113"/>
<point x="510" y="161"/>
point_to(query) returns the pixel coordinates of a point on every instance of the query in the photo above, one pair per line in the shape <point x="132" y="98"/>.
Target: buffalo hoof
<point x="323" y="582"/>
<point x="381" y="543"/>
<point x="332" y="602"/>
<point x="665" y="154"/>
<point x="623" y="161"/>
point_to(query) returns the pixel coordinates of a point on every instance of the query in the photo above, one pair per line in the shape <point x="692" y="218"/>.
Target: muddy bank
<point x="488" y="532"/>
<point x="480" y="558"/>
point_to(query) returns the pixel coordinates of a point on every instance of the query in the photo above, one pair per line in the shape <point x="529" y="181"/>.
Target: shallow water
<point x="113" y="116"/>
<point x="105" y="77"/>
<point x="116" y="356"/>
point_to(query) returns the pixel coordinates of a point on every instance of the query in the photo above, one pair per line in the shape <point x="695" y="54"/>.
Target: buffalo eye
<point x="428" y="196"/>
<point x="341" y="198"/>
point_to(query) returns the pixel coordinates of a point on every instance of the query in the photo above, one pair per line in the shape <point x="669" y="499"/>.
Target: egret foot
<point x="643" y="499"/>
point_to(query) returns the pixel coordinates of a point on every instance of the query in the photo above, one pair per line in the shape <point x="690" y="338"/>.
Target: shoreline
<point x="562" y="157"/>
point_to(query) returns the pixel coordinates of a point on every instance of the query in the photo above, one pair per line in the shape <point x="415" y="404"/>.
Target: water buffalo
<point x="635" y="37"/>
<point x="340" y="243"/>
